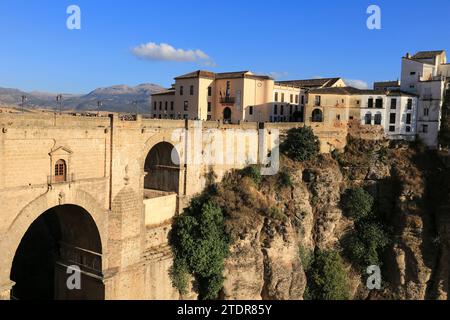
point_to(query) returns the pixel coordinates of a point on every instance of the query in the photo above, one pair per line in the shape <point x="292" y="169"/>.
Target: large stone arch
<point x="10" y="241"/>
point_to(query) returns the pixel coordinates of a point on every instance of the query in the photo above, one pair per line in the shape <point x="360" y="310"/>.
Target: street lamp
<point x="99" y="104"/>
<point x="59" y="98"/>
<point x="24" y="98"/>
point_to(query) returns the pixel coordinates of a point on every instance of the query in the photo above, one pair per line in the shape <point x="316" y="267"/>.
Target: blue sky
<point x="292" y="39"/>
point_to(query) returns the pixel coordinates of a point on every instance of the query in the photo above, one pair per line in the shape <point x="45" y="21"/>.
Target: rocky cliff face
<point x="271" y="224"/>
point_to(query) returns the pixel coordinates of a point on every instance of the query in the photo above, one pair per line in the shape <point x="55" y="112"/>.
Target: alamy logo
<point x="74" y="279"/>
<point x="74" y="20"/>
<point x="374" y="279"/>
<point x="374" y="20"/>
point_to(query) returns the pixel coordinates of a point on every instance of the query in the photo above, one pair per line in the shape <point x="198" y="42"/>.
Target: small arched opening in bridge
<point x="62" y="246"/>
<point x="162" y="168"/>
<point x="227" y="115"/>
<point x="317" y="116"/>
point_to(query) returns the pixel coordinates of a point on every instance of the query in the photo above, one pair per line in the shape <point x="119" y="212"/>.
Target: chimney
<point x="408" y="55"/>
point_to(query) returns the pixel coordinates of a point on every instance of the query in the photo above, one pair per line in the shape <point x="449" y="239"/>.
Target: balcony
<point x="227" y="100"/>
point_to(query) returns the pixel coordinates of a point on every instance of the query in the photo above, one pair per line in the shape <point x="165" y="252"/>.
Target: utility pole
<point x="99" y="104"/>
<point x="59" y="98"/>
<point x="24" y="98"/>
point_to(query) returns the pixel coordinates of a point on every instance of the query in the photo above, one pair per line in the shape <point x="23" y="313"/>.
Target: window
<point x="412" y="73"/>
<point x="338" y="117"/>
<point x="181" y="90"/>
<point x="209" y="91"/>
<point x="275" y="109"/>
<point x="186" y="106"/>
<point x="408" y="129"/>
<point x="191" y="90"/>
<point x="281" y="110"/>
<point x="185" y="116"/>
<point x="303" y="99"/>
<point x="276" y="96"/>
<point x="228" y="89"/>
<point x="412" y="86"/>
<point x="60" y="171"/>
<point x="160" y="105"/>
<point x="154" y="106"/>
<point x="392" y="118"/>
<point x="171" y="105"/>
<point x="370" y="103"/>
<point x="410" y="103"/>
<point x="408" y="118"/>
<point x="393" y="103"/>
<point x="317" y="101"/>
<point x="166" y="105"/>
<point x="208" y="117"/>
<point x="378" y="119"/>
<point x="296" y="98"/>
<point x="368" y="119"/>
<point x="250" y="110"/>
<point x="209" y="107"/>
<point x="379" y="103"/>
<point x="391" y="128"/>
<point x="291" y="99"/>
<point x="282" y="97"/>
<point x="424" y="128"/>
<point x="426" y="112"/>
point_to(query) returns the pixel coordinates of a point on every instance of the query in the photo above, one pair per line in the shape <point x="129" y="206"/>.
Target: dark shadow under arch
<point x="162" y="167"/>
<point x="62" y="236"/>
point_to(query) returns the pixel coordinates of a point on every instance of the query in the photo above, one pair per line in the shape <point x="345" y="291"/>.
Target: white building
<point x="426" y="74"/>
<point x="395" y="111"/>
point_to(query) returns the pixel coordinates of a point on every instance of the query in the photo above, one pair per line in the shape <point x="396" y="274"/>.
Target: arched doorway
<point x="227" y="115"/>
<point x="62" y="239"/>
<point x="317" y="115"/>
<point x="162" y="167"/>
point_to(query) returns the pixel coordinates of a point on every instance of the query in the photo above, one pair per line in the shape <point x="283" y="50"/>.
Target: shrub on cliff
<point x="357" y="203"/>
<point x="200" y="245"/>
<point x="254" y="173"/>
<point x="301" y="144"/>
<point x="327" y="278"/>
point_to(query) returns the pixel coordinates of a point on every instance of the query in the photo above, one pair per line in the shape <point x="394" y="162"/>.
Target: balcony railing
<point x="60" y="179"/>
<point x="227" y="100"/>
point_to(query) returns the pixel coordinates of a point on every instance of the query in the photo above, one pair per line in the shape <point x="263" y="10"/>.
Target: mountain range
<point x="119" y="98"/>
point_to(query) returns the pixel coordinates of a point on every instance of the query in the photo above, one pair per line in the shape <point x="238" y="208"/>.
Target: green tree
<point x="301" y="144"/>
<point x="200" y="246"/>
<point x="357" y="204"/>
<point x="327" y="278"/>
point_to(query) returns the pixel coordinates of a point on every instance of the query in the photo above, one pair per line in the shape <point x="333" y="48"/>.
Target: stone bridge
<point x="98" y="194"/>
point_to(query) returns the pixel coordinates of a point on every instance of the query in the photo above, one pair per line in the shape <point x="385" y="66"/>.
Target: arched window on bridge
<point x="60" y="171"/>
<point x="162" y="168"/>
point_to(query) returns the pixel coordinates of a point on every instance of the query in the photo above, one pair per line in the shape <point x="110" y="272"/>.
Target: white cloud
<point x="166" y="52"/>
<point x="278" y="75"/>
<point x="360" y="84"/>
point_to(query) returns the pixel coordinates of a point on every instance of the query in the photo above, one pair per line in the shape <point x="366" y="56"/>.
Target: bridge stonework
<point x="105" y="161"/>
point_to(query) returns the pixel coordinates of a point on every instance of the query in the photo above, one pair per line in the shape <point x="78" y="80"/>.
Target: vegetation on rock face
<point x="357" y="203"/>
<point x="369" y="238"/>
<point x="200" y="245"/>
<point x="254" y="173"/>
<point x="301" y="144"/>
<point x="327" y="278"/>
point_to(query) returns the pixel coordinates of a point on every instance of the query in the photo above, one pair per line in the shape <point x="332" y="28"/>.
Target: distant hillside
<point x="118" y="98"/>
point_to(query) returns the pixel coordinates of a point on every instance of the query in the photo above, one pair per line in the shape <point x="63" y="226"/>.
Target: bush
<point x="284" y="179"/>
<point x="357" y="204"/>
<point x="254" y="173"/>
<point x="364" y="245"/>
<point x="327" y="278"/>
<point x="200" y="245"/>
<point x="301" y="144"/>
